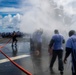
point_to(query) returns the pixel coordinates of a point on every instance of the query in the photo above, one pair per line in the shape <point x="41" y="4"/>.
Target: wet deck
<point x="29" y="60"/>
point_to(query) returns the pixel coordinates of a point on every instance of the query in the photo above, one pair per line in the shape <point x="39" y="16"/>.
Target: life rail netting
<point x="18" y="66"/>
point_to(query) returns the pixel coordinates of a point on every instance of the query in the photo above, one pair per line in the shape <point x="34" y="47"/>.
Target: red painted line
<point x="21" y="68"/>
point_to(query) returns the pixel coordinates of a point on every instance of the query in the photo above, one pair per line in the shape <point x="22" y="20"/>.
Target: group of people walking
<point x="56" y="49"/>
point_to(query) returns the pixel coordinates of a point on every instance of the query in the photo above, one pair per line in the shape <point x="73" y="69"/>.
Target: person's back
<point x="72" y="39"/>
<point x="39" y="37"/>
<point x="71" y="49"/>
<point x="36" y="41"/>
<point x="74" y="51"/>
<point x="56" y="49"/>
<point x="58" y="41"/>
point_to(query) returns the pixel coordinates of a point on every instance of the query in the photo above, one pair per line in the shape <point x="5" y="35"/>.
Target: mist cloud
<point x="41" y="15"/>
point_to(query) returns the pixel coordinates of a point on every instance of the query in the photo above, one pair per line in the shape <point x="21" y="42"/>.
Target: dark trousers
<point x="74" y="70"/>
<point x="73" y="73"/>
<point x="35" y="45"/>
<point x="14" y="41"/>
<point x="56" y="53"/>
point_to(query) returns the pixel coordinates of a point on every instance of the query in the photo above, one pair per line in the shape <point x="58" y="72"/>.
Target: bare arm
<point x="68" y="51"/>
<point x="50" y="46"/>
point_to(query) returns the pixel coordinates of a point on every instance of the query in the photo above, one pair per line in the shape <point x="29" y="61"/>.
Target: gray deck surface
<point x="35" y="64"/>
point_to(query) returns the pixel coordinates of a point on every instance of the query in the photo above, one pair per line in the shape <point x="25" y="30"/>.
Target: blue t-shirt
<point x="37" y="37"/>
<point x="58" y="40"/>
<point x="71" y="43"/>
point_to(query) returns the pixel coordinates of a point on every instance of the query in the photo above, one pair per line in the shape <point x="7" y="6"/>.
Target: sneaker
<point x="61" y="72"/>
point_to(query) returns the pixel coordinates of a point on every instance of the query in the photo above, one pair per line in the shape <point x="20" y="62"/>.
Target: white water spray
<point x="41" y="14"/>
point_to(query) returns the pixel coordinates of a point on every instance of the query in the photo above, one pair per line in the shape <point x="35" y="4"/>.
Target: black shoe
<point x="52" y="71"/>
<point x="61" y="72"/>
<point x="12" y="45"/>
<point x="15" y="44"/>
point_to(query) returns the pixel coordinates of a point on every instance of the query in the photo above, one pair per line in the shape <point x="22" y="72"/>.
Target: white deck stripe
<point x="13" y="58"/>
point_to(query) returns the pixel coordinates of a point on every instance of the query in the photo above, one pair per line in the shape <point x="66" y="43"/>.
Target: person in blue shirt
<point x="71" y="49"/>
<point x="36" y="41"/>
<point x="56" y="49"/>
